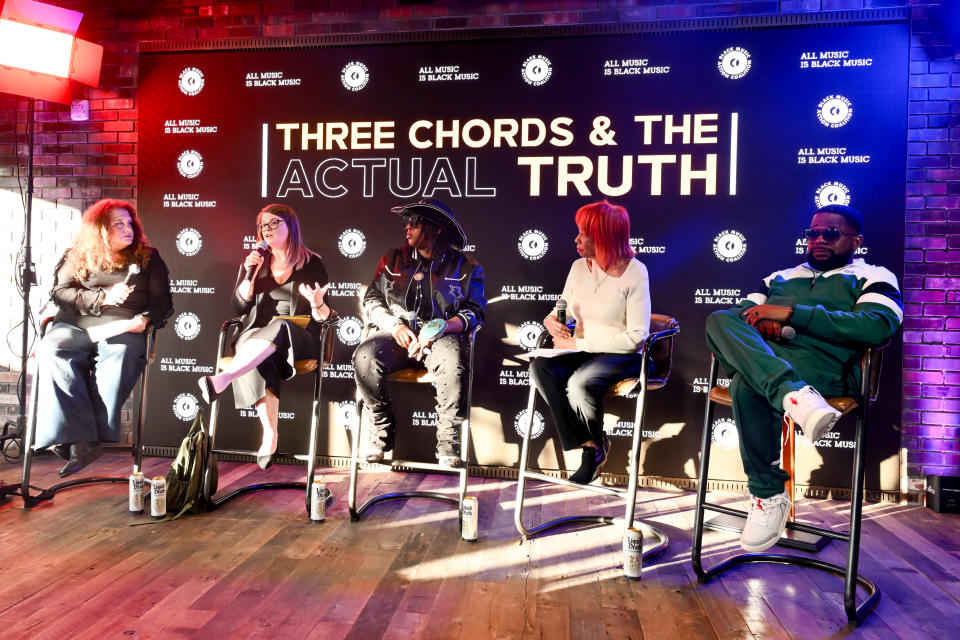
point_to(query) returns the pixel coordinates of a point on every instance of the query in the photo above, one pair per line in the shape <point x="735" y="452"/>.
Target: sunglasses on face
<point x="269" y="226"/>
<point x="412" y="221"/>
<point x="830" y="234"/>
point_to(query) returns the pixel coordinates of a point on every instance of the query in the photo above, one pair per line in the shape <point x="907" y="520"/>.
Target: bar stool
<point x="23" y="488"/>
<point x="421" y="376"/>
<point x="658" y="348"/>
<point x="870" y="364"/>
<point x="314" y="365"/>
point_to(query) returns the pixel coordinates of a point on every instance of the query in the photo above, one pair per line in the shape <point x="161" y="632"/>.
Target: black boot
<point x="81" y="454"/>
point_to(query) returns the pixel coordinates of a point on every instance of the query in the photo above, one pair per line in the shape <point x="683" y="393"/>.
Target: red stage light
<point x="39" y="53"/>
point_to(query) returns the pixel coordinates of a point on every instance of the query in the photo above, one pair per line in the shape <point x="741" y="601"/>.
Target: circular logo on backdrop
<point x="831" y="193"/>
<point x="725" y="436"/>
<point x="189" y="241"/>
<point x="191" y="81"/>
<point x="834" y="111"/>
<point x="536" y="70"/>
<point x="527" y="334"/>
<point x="354" y="76"/>
<point x="187" y="325"/>
<point x="346" y="414"/>
<point x="520" y="423"/>
<point x="185" y="406"/>
<point x="352" y="243"/>
<point x="190" y="163"/>
<point x="349" y="330"/>
<point x="729" y="245"/>
<point x="533" y="244"/>
<point x="734" y="63"/>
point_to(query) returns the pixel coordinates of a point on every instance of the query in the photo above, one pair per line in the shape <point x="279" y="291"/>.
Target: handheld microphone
<point x="562" y="311"/>
<point x="132" y="270"/>
<point x="261" y="249"/>
<point x="787" y="333"/>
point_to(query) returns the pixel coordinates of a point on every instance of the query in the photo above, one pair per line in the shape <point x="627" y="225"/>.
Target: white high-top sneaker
<point x="811" y="411"/>
<point x="765" y="522"/>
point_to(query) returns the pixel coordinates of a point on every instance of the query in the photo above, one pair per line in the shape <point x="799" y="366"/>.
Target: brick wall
<point x="78" y="163"/>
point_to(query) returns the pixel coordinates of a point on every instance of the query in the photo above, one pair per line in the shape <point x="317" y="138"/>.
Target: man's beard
<point x="833" y="262"/>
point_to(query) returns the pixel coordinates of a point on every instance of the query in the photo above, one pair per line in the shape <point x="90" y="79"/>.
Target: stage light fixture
<point x="40" y="54"/>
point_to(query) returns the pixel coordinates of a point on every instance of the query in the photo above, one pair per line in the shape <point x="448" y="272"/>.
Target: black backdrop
<point x="719" y="142"/>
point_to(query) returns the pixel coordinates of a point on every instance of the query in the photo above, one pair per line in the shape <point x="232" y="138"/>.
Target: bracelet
<point x="317" y="308"/>
<point x="790" y="315"/>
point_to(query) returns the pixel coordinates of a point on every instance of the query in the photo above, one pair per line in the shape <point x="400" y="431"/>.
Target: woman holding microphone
<point x="282" y="278"/>
<point x="608" y="295"/>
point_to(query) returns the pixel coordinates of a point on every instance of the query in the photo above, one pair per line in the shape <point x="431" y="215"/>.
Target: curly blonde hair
<point x="91" y="251"/>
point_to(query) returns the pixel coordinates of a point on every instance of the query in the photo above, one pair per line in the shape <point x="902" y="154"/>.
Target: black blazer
<point x="256" y="314"/>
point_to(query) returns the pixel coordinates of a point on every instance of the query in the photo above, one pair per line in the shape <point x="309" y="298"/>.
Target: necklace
<point x="600" y="281"/>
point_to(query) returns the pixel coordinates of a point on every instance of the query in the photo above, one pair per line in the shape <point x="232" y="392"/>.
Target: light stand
<point x="40" y="56"/>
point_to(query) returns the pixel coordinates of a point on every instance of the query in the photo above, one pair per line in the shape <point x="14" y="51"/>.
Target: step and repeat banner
<point x="720" y="143"/>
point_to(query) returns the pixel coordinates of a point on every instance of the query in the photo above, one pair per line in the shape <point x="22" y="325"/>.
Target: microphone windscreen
<point x="132" y="270"/>
<point x="788" y="333"/>
<point x="262" y="246"/>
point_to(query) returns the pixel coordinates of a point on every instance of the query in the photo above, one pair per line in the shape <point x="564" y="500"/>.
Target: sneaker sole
<point x="823" y="423"/>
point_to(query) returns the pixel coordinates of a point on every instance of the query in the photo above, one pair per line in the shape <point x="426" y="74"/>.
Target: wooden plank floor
<point x="256" y="568"/>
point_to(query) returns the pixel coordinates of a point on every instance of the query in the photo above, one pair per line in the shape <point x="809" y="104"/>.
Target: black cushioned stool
<point x="421" y="376"/>
<point x="658" y="348"/>
<point x="858" y="404"/>
<point x="313" y="365"/>
<point x="23" y="488"/>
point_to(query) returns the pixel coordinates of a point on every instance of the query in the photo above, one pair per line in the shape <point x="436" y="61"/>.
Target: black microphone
<point x="787" y="333"/>
<point x="132" y="270"/>
<point x="261" y="249"/>
<point x="562" y="311"/>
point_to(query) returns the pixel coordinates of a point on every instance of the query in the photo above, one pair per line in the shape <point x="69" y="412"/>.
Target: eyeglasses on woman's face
<point x="270" y="225"/>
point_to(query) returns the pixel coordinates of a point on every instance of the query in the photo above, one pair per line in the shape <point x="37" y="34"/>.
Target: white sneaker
<point x="808" y="409"/>
<point x="765" y="522"/>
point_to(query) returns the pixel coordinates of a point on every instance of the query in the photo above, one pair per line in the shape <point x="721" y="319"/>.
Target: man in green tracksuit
<point x="832" y="306"/>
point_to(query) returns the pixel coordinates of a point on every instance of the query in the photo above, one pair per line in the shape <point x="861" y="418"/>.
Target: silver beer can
<point x="632" y="553"/>
<point x="318" y="501"/>
<point x="136" y="492"/>
<point x="469" y="522"/>
<point x="158" y="497"/>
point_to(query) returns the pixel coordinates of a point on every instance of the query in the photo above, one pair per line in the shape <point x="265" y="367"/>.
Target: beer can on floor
<point x="318" y="501"/>
<point x="469" y="522"/>
<point x="136" y="492"/>
<point x="632" y="553"/>
<point x="158" y="497"/>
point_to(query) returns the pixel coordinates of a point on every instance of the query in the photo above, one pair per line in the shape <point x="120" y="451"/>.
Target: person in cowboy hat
<point x="425" y="298"/>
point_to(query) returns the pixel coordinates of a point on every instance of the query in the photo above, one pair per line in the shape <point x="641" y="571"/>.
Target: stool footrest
<point x="794" y="526"/>
<point x="403" y="495"/>
<point x="413" y="464"/>
<point x="599" y="488"/>
<point x="260" y="486"/>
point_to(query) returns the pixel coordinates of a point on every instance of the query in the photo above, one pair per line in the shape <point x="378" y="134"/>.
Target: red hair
<point x="608" y="225"/>
<point x="91" y="250"/>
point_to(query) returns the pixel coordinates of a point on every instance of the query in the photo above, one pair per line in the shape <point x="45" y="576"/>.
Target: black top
<point x="271" y="299"/>
<point x="80" y="301"/>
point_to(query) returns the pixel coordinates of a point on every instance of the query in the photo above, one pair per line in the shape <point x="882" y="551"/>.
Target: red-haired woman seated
<point x="608" y="295"/>
<point x="109" y="286"/>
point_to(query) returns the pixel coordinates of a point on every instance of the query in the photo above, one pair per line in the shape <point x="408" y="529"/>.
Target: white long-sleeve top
<point x="613" y="314"/>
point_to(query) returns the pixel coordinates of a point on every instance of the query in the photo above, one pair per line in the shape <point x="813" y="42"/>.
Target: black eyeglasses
<point x="269" y="226"/>
<point x="411" y="221"/>
<point x="830" y="234"/>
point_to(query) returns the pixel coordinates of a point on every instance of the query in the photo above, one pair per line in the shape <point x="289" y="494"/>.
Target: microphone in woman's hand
<point x="132" y="270"/>
<point x="261" y="249"/>
<point x="562" y="311"/>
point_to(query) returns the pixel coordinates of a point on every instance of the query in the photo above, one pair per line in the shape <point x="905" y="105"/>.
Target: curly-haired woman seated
<point x="109" y="286"/>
